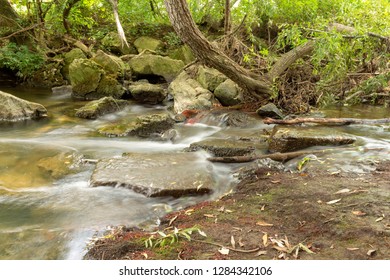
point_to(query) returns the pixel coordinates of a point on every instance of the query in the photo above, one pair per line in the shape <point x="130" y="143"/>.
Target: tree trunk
<point x="65" y="14"/>
<point x="208" y="53"/>
<point x="327" y="121"/>
<point x="121" y="32"/>
<point x="227" y="23"/>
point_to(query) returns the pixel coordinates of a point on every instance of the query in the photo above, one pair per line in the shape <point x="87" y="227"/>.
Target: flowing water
<point x="46" y="218"/>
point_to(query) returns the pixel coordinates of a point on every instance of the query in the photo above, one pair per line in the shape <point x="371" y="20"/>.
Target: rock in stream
<point x="156" y="174"/>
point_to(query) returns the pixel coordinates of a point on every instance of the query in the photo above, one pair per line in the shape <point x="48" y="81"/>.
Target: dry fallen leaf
<point x="379" y="219"/>
<point x="261" y="253"/>
<point x="224" y="251"/>
<point x="343" y="191"/>
<point x="209" y="215"/>
<point x="359" y="213"/>
<point x="333" y="201"/>
<point x="264" y="224"/>
<point x="262" y="208"/>
<point x="371" y="253"/>
<point x="265" y="239"/>
<point x="189" y="212"/>
<point x="232" y="241"/>
<point x="240" y="242"/>
<point x="172" y="220"/>
<point x="352" y="249"/>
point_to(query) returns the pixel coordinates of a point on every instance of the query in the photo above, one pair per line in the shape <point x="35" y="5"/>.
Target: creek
<point x="46" y="218"/>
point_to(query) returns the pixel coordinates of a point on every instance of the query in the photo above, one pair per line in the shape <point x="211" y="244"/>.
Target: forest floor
<point x="274" y="215"/>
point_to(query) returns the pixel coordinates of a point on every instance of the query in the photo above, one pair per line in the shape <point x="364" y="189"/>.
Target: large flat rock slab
<point x="287" y="139"/>
<point x="156" y="174"/>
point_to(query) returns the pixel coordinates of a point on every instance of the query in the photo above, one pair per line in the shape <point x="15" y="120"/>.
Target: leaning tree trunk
<point x="184" y="25"/>
<point x="253" y="85"/>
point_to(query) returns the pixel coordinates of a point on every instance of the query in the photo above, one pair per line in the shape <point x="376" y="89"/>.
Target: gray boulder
<point x="226" y="147"/>
<point x="148" y="93"/>
<point x="169" y="174"/>
<point x="149" y="64"/>
<point x="148" y="43"/>
<point x="210" y="78"/>
<point x="188" y="94"/>
<point x="97" y="108"/>
<point x="287" y="139"/>
<point x="146" y="126"/>
<point x="13" y="109"/>
<point x="270" y="110"/>
<point x="228" y="93"/>
<point x="183" y="53"/>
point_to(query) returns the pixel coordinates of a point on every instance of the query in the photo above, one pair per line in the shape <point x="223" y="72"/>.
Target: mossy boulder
<point x="112" y="43"/>
<point x="228" y="93"/>
<point x="111" y="64"/>
<point x="188" y="94"/>
<point x="85" y="76"/>
<point x="148" y="93"/>
<point x="149" y="64"/>
<point x="68" y="59"/>
<point x="210" y="78"/>
<point x="89" y="81"/>
<point x="146" y="126"/>
<point x="97" y="108"/>
<point x="183" y="53"/>
<point x="148" y="43"/>
<point x="13" y="109"/>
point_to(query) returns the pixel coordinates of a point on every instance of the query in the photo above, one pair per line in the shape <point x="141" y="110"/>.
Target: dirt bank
<point x="274" y="215"/>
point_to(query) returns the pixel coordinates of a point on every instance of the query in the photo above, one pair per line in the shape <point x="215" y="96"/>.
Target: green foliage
<point x="172" y="39"/>
<point x="160" y="238"/>
<point x="20" y="59"/>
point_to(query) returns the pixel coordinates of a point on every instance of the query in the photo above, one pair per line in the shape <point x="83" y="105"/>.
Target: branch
<point x="285" y="61"/>
<point x="328" y="121"/>
<point x="21" y="31"/>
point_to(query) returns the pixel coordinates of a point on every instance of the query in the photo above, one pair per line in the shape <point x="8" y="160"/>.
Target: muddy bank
<point x="273" y="214"/>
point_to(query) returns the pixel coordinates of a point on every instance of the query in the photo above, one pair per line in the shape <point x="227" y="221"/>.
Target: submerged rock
<point x="226" y="117"/>
<point x="156" y="174"/>
<point x="97" y="108"/>
<point x="146" y="126"/>
<point x="287" y="139"/>
<point x="148" y="93"/>
<point x="13" y="109"/>
<point x="60" y="165"/>
<point x="149" y="64"/>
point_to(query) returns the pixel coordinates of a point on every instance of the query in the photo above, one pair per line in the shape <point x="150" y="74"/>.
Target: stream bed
<point x="46" y="218"/>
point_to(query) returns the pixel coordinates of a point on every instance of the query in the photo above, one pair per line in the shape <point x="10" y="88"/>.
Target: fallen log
<point x="282" y="157"/>
<point x="327" y="121"/>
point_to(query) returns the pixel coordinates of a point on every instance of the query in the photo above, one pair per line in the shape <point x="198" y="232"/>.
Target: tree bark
<point x="227" y="23"/>
<point x="327" y="121"/>
<point x="208" y="53"/>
